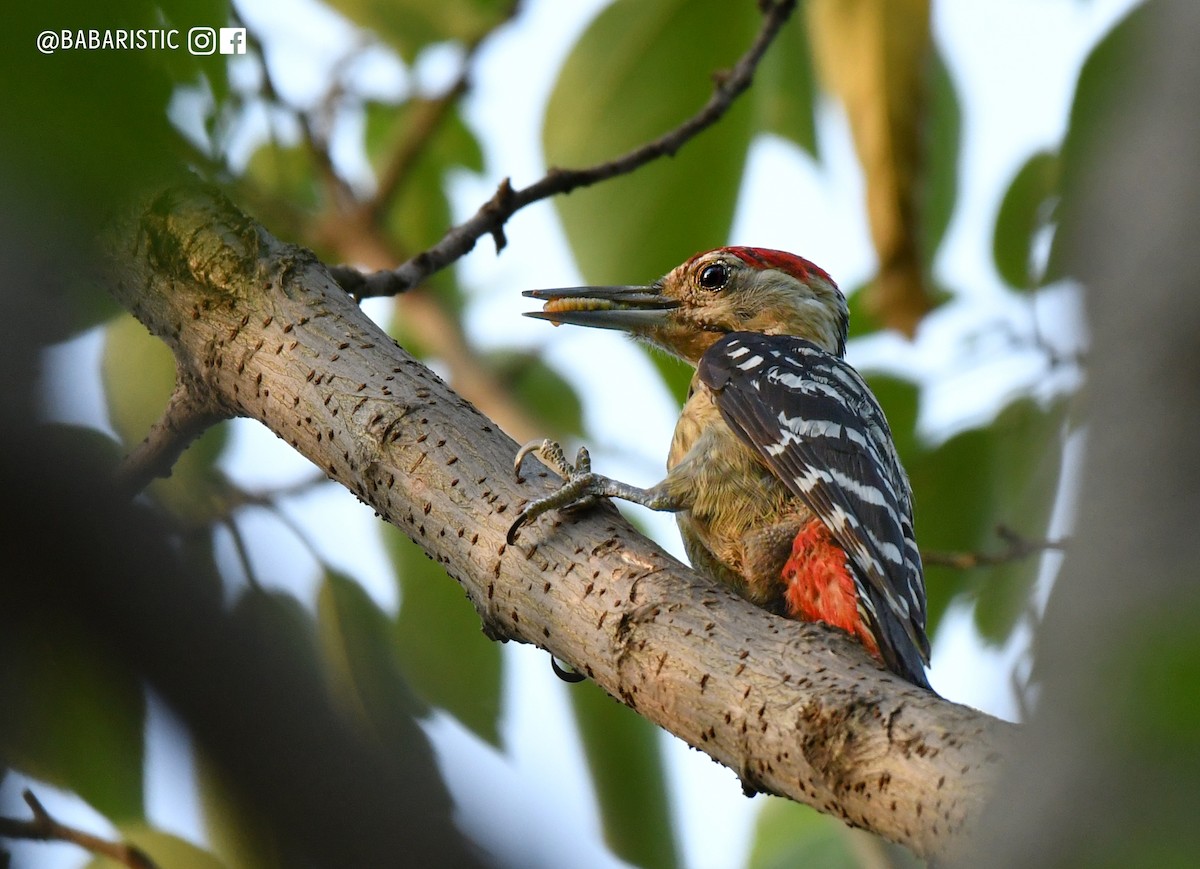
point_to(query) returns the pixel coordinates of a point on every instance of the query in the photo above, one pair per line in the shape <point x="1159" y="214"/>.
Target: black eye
<point x="715" y="276"/>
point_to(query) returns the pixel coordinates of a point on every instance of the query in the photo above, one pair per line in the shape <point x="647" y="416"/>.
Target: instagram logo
<point x="202" y="40"/>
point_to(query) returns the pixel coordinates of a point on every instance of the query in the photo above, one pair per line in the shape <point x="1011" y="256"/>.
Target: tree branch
<point x="44" y="828"/>
<point x="189" y="412"/>
<point x="491" y="217"/>
<point x="795" y="709"/>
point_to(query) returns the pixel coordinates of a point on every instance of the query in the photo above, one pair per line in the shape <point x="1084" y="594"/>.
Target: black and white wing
<point x="817" y="426"/>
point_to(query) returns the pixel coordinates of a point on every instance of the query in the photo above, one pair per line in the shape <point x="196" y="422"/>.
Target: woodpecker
<point x="782" y="473"/>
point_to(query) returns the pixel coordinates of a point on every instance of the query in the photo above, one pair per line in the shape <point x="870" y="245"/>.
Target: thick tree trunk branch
<point x="795" y="709"/>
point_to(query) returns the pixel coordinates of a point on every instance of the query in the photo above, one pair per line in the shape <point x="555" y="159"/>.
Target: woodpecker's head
<point x="731" y="289"/>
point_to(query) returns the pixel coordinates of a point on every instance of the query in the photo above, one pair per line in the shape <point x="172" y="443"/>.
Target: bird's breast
<point x="741" y="519"/>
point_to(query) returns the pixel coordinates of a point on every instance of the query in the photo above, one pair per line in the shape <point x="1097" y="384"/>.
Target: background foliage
<point x="75" y="716"/>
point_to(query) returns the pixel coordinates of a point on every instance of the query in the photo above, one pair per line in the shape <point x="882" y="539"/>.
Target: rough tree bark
<point x="259" y="329"/>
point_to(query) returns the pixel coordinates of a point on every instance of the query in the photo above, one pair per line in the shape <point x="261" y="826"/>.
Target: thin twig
<point x="44" y="828"/>
<point x="491" y="217"/>
<point x="243" y="552"/>
<point x="1017" y="547"/>
<point x="236" y="496"/>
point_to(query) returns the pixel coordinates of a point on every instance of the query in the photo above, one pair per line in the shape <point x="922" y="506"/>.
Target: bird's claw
<point x="575" y="493"/>
<point x="553" y="457"/>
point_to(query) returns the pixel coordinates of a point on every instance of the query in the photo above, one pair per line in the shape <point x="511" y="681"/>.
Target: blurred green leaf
<point x="412" y="25"/>
<point x="138" y="372"/>
<point x="139" y="376"/>
<point x="115" y="100"/>
<point x="419" y="214"/>
<point x="390" y="126"/>
<point x="954" y="511"/>
<point x="91" y="447"/>
<point x="235" y="828"/>
<point x="73" y="716"/>
<point x="785" y="89"/>
<point x="625" y="758"/>
<point x="87" y="305"/>
<point x="86" y="139"/>
<point x="1005" y="473"/>
<point x="282" y="623"/>
<point x="287" y="173"/>
<point x="198" y="549"/>
<point x="166" y="850"/>
<point x="641" y="68"/>
<point x="383" y="125"/>
<point x="1025" y="211"/>
<point x="446" y="658"/>
<point x="1106" y="73"/>
<point x="364" y="662"/>
<point x="237" y="834"/>
<point x="790" y="835"/>
<point x="1026" y="467"/>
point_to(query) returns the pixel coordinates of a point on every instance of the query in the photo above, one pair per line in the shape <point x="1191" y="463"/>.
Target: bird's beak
<point x="632" y="309"/>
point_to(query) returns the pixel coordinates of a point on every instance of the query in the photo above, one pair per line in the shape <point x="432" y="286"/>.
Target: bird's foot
<point x="581" y="488"/>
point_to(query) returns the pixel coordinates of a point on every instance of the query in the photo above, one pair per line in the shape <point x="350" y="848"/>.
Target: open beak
<point x="632" y="309"/>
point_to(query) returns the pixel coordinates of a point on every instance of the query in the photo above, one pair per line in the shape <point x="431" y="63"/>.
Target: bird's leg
<point x="581" y="488"/>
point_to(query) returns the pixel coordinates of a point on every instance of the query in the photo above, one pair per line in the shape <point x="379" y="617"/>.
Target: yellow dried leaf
<point x="874" y="56"/>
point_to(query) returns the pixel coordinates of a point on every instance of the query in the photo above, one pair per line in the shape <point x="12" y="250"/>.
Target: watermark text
<point x="199" y="41"/>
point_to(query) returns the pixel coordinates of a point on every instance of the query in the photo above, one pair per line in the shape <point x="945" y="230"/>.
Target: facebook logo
<point x="233" y="40"/>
